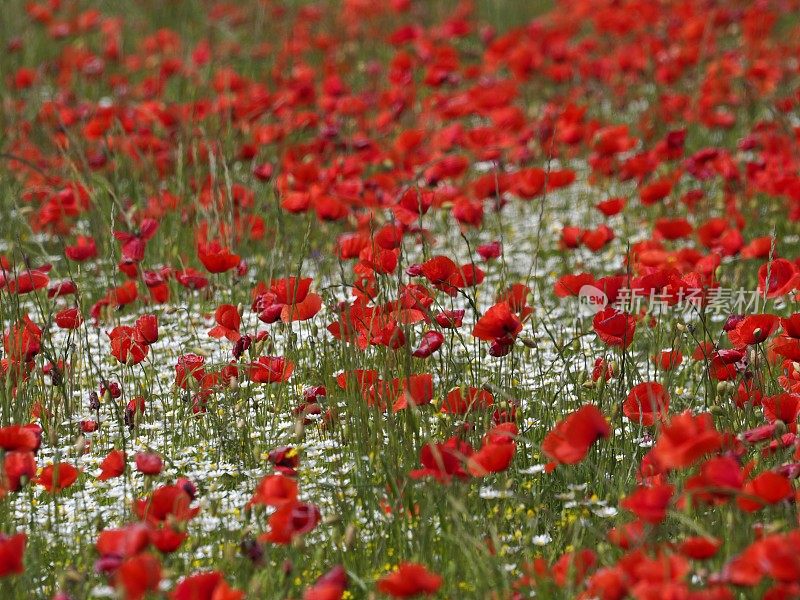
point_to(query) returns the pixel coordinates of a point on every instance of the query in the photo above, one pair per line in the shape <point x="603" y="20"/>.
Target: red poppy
<point x="476" y="399"/>
<point x="496" y="452"/>
<point x="430" y="342"/>
<point x="410" y="579"/>
<point x="614" y="328"/>
<point x="215" y="257"/>
<point x="767" y="488"/>
<point x="271" y="369"/>
<point x="685" y="439"/>
<point x="12" y="550"/>
<point x="499" y="323"/>
<point x="208" y="585"/>
<point x="782" y="275"/>
<point x="189" y="366"/>
<point x="68" y="318"/>
<point x="572" y="567"/>
<point x="443" y="461"/>
<point x="57" y="477"/>
<point x="28" y="281"/>
<point x="138" y="575"/>
<point x="330" y="586"/>
<point x="646" y="402"/>
<point x="782" y="407"/>
<point x="134" y="244"/>
<point x="113" y="465"/>
<point x="290" y="520"/>
<point x="125" y="347"/>
<point x="84" y="249"/>
<point x="275" y="490"/>
<point x="148" y="463"/>
<point x="17" y="465"/>
<point x="20" y="437"/>
<point x="228" y="322"/>
<point x="569" y="441"/>
<point x="146" y="329"/>
<point x="753" y="329"/>
<point x="699" y="547"/>
<point x="650" y="503"/>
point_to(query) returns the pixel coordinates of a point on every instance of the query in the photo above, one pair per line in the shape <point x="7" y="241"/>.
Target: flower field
<point x="324" y="300"/>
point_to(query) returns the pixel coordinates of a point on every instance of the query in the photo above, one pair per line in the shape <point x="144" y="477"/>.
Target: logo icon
<point x="591" y="300"/>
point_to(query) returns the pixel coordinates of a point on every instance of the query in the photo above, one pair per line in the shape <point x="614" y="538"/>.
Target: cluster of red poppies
<point x="456" y="193"/>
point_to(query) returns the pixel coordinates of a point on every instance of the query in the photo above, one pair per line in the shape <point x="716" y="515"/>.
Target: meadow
<point x="331" y="300"/>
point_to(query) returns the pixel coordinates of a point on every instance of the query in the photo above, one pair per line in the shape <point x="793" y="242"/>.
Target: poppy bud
<point x="252" y="550"/>
<point x="263" y="172"/>
<point x="94" y="401"/>
<point x="241" y="345"/>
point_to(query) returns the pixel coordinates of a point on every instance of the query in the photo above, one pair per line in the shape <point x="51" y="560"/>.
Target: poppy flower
<point x="699" y="547"/>
<point x="766" y="488"/>
<point x="20" y="437"/>
<point x="17" y="464"/>
<point x="431" y="341"/>
<point x="84" y="249"/>
<point x="410" y="579"/>
<point x="169" y="502"/>
<point x="28" y="281"/>
<point x="209" y="585"/>
<point x="167" y="540"/>
<point x="753" y="329"/>
<point x="569" y="441"/>
<point x="572" y="567"/>
<point x="443" y="461"/>
<point x="12" y="550"/>
<point x="499" y="323"/>
<point x="570" y="285"/>
<point x="134" y="244"/>
<point x="125" y="347"/>
<point x="149" y="463"/>
<point x="329" y="586"/>
<point x="274" y="490"/>
<point x="121" y="543"/>
<point x="611" y="207"/>
<point x="113" y="465"/>
<point x="489" y="251"/>
<point x="645" y="403"/>
<point x="494" y="455"/>
<point x="191" y="278"/>
<point x="215" y="257"/>
<point x="271" y="369"/>
<point x="138" y="575"/>
<point x="146" y="329"/>
<point x="613" y="327"/>
<point x="777" y="278"/>
<point x="450" y="319"/>
<point x="782" y="407"/>
<point x="69" y="318"/>
<point x="649" y="503"/>
<point x="290" y="520"/>
<point x="684" y="439"/>
<point x="476" y="399"/>
<point x="228" y="322"/>
<point x="57" y="477"/>
<point x="668" y="360"/>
